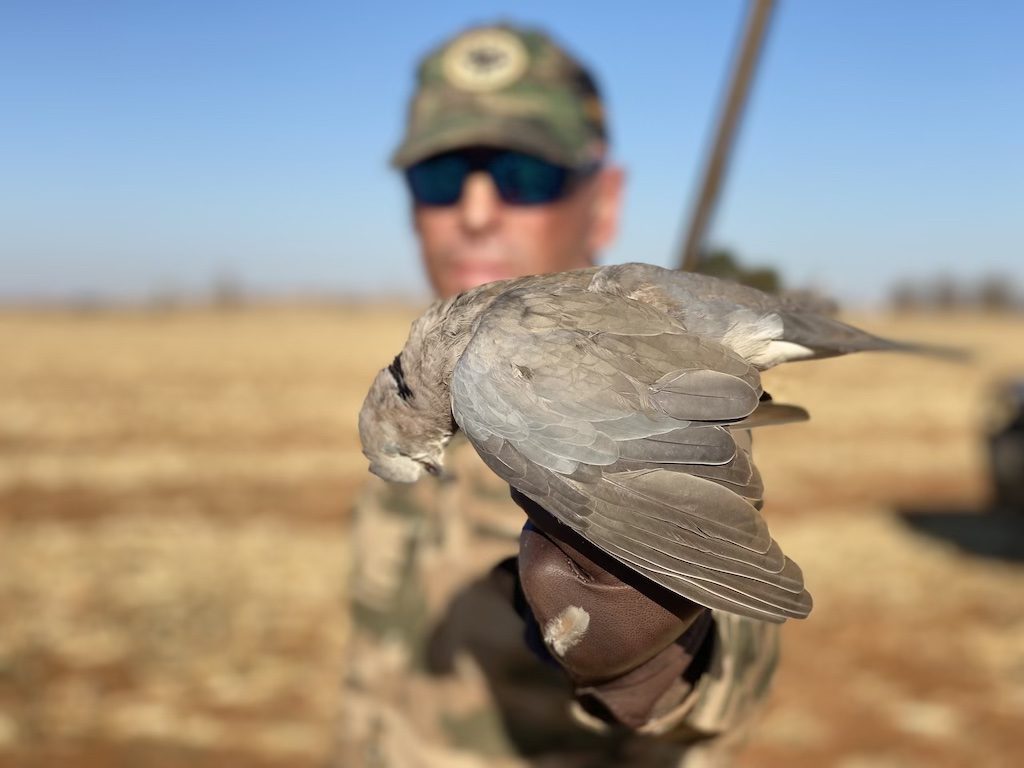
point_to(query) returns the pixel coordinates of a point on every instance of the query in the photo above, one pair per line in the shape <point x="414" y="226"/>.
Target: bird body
<point x="616" y="398"/>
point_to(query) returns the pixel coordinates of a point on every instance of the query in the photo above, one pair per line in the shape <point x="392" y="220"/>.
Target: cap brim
<point x="484" y="130"/>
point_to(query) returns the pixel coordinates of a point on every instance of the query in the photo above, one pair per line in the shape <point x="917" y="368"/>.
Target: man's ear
<point x="607" y="206"/>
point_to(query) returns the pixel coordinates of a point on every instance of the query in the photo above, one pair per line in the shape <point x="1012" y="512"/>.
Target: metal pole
<point x="758" y="14"/>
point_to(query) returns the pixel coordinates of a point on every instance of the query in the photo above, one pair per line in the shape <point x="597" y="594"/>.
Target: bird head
<point x="406" y="420"/>
<point x="402" y="439"/>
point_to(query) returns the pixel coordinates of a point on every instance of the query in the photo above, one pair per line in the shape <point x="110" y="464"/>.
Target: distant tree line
<point x="991" y="293"/>
<point x="721" y="262"/>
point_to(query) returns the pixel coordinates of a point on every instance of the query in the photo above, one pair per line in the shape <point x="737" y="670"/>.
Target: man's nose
<point x="480" y="204"/>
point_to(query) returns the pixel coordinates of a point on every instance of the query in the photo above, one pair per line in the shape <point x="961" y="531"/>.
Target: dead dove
<point x="610" y="396"/>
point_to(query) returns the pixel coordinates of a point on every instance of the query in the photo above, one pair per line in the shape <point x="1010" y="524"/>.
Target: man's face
<point x="481" y="238"/>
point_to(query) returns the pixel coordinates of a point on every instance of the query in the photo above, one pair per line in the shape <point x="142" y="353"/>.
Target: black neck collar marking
<point x="399" y="376"/>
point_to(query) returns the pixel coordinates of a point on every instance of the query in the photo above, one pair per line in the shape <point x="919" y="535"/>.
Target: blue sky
<point x="151" y="147"/>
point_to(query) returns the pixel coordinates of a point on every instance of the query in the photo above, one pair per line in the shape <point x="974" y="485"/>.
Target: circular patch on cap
<point x="485" y="60"/>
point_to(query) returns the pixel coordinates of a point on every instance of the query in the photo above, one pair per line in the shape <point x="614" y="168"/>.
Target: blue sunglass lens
<point x="438" y="180"/>
<point x="527" y="180"/>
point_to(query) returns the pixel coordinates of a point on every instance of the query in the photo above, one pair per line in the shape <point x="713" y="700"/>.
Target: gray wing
<point x="765" y="329"/>
<point x="609" y="415"/>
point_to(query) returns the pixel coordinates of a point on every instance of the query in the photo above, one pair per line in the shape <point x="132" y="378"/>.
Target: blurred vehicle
<point x="1006" y="443"/>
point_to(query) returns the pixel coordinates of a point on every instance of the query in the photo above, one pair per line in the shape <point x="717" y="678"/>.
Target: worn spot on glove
<point x="566" y="629"/>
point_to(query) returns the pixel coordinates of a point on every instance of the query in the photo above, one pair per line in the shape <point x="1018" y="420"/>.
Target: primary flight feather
<point x="616" y="398"/>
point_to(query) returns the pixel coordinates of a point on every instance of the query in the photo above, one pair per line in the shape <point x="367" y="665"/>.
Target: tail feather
<point x="770" y="413"/>
<point x="827" y="337"/>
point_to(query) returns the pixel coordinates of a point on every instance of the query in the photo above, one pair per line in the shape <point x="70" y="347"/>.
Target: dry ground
<point x="174" y="489"/>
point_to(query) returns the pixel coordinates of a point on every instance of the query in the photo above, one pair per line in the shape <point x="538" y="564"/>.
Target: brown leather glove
<point x="627" y="644"/>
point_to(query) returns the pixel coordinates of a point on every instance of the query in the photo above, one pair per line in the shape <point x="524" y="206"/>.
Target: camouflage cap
<point x="508" y="87"/>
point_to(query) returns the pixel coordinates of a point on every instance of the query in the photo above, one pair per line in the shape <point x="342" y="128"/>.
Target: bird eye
<point x="430" y="466"/>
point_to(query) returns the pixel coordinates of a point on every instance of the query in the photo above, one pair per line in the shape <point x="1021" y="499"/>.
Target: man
<point x="462" y="653"/>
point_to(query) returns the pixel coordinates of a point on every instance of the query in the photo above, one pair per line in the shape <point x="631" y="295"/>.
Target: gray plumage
<point x="617" y="399"/>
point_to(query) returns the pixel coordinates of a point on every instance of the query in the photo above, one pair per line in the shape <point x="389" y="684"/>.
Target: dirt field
<point x="174" y="488"/>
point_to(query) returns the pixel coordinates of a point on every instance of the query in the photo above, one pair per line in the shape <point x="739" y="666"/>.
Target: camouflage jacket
<point x="438" y="673"/>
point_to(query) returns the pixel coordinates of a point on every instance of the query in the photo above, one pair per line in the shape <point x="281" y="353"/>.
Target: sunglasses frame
<point x="484" y="159"/>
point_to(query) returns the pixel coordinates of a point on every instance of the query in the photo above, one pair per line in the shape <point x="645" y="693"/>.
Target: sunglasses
<point x="520" y="179"/>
